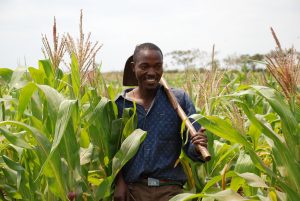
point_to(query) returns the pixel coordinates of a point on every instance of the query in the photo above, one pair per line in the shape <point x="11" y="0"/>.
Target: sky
<point x="234" y="26"/>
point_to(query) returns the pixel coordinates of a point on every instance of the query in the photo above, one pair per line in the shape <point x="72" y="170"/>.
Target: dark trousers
<point x="142" y="192"/>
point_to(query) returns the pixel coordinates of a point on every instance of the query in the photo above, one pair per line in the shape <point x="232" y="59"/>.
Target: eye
<point x="143" y="66"/>
<point x="158" y="66"/>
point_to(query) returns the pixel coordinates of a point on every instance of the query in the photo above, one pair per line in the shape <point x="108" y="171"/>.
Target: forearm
<point x="200" y="139"/>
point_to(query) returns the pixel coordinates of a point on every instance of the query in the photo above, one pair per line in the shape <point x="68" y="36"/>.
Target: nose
<point x="151" y="71"/>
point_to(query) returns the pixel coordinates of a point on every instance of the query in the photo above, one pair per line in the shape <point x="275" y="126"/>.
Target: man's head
<point x="145" y="46"/>
<point x="145" y="67"/>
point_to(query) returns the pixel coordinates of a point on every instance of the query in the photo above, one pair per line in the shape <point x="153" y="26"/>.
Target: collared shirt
<point x="161" y="148"/>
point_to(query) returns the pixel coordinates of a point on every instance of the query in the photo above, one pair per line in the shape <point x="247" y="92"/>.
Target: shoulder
<point x="121" y="96"/>
<point x="180" y="95"/>
<point x="178" y="92"/>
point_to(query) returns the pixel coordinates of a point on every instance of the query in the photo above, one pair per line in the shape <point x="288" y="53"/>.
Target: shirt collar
<point x="123" y="93"/>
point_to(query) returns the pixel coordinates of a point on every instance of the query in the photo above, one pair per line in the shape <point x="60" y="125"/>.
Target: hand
<point x="121" y="190"/>
<point x="200" y="138"/>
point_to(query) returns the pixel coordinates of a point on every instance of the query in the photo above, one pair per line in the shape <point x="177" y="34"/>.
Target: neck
<point x="146" y="94"/>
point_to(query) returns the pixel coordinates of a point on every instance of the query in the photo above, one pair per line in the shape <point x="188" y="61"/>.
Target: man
<point x="152" y="174"/>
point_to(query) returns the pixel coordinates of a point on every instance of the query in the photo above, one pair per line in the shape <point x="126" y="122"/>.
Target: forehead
<point x="146" y="55"/>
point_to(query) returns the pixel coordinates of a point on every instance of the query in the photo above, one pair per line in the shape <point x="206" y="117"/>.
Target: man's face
<point x="148" y="68"/>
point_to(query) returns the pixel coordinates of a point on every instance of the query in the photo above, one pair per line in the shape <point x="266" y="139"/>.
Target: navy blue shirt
<point x="161" y="148"/>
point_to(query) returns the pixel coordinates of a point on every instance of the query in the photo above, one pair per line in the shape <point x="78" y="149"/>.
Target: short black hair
<point x="145" y="46"/>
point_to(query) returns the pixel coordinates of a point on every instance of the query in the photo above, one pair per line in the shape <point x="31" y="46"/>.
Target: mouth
<point x="151" y="80"/>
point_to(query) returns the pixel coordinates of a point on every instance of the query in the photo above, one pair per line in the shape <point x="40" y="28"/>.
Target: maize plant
<point x="60" y="140"/>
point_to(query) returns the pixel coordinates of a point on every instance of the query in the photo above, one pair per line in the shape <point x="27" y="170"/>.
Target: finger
<point x="199" y="136"/>
<point x="200" y="141"/>
<point x="202" y="129"/>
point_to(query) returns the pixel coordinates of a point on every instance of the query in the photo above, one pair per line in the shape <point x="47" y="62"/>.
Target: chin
<point x="152" y="86"/>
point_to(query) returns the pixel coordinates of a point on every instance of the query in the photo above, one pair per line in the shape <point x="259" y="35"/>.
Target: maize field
<point x="61" y="138"/>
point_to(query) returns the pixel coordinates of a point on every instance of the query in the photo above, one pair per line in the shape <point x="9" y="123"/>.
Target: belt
<point x="159" y="182"/>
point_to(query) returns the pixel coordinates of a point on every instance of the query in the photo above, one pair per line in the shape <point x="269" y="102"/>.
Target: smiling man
<point x="152" y="174"/>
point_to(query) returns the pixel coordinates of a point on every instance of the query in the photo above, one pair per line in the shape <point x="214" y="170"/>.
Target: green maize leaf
<point x="84" y="138"/>
<point x="290" y="126"/>
<point x="281" y="108"/>
<point x="131" y="124"/>
<point x="96" y="141"/>
<point x="86" y="96"/>
<point x="38" y="124"/>
<point x="111" y="92"/>
<point x="216" y="179"/>
<point x="222" y="129"/>
<point x="103" y="191"/>
<point x="253" y="180"/>
<point x="291" y="194"/>
<point x="31" y="187"/>
<point x="286" y="157"/>
<point x="36" y="106"/>
<point x="280" y="195"/>
<point x="186" y="196"/>
<point x="15" y="140"/>
<point x="69" y="148"/>
<point x="208" y="199"/>
<point x="226" y="195"/>
<point x="24" y="98"/>
<point x="10" y="175"/>
<point x="58" y="76"/>
<point x="236" y="183"/>
<point x="63" y="117"/>
<point x="16" y="167"/>
<point x="94" y="178"/>
<point x="54" y="165"/>
<point x="86" y="154"/>
<point x="255" y="134"/>
<point x="288" y="117"/>
<point x="282" y="154"/>
<point x="185" y="162"/>
<point x="54" y="98"/>
<point x="128" y="149"/>
<point x="103" y="117"/>
<point x="37" y="75"/>
<point x="116" y="135"/>
<point x="5" y="74"/>
<point x="225" y="154"/>
<point x="245" y="164"/>
<point x="18" y="150"/>
<point x="63" y="82"/>
<point x="64" y="114"/>
<point x="259" y="163"/>
<point x="12" y="164"/>
<point x="262" y="198"/>
<point x="16" y="80"/>
<point x="75" y="76"/>
<point x="46" y="66"/>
